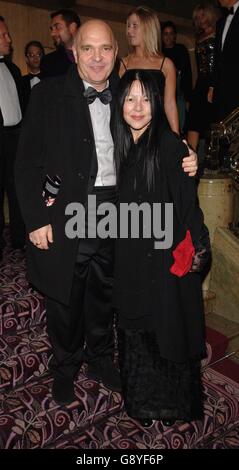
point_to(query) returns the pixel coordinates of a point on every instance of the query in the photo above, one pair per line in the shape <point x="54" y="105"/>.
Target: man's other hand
<point x="42" y="237"/>
<point x="190" y="163"/>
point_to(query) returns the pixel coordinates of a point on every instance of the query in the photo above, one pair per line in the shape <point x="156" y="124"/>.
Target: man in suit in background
<point x="224" y="92"/>
<point x="179" y="55"/>
<point x="66" y="140"/>
<point x="10" y="121"/>
<point x="34" y="52"/>
<point x="64" y="26"/>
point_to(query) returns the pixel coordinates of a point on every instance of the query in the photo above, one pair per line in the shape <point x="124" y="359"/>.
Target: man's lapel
<point x="73" y="95"/>
<point x="229" y="37"/>
<point x="113" y="84"/>
<point x="220" y="28"/>
<point x="76" y="121"/>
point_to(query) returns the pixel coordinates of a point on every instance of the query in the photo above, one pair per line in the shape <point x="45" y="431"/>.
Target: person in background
<point x="11" y="108"/>
<point x="64" y="26"/>
<point x="224" y="89"/>
<point x="205" y="16"/>
<point x="179" y="55"/>
<point x="34" y="52"/>
<point x="144" y="37"/>
<point x="161" y="337"/>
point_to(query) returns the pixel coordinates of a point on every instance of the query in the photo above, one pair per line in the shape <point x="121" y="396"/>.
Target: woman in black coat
<point x="158" y="297"/>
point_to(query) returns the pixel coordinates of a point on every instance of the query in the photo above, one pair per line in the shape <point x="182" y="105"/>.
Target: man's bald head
<point x="95" y="51"/>
<point x="94" y="25"/>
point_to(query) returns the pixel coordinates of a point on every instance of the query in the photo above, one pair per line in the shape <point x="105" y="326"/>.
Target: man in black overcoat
<point x="67" y="151"/>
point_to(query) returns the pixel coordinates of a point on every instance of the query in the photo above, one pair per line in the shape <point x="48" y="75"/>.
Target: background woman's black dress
<point x="200" y="111"/>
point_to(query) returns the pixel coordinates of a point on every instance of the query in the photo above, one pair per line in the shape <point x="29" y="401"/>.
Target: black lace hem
<point x="154" y="387"/>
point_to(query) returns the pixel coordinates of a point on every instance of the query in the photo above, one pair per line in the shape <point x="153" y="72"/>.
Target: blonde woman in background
<point x="144" y="37"/>
<point x="205" y="16"/>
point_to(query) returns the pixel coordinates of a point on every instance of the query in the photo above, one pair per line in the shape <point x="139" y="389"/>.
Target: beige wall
<point x="225" y="274"/>
<point x="25" y="23"/>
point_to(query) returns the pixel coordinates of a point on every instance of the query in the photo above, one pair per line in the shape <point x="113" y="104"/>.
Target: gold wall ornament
<point x="223" y="146"/>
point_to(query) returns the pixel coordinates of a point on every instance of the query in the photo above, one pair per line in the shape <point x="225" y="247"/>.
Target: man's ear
<point x="74" y="51"/>
<point x="73" y="28"/>
<point x="116" y="49"/>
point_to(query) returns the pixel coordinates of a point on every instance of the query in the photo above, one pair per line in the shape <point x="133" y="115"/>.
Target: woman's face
<point x="134" y="31"/>
<point x="137" y="110"/>
<point x="202" y="20"/>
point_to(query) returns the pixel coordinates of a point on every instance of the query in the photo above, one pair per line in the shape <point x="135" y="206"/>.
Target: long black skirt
<point x="154" y="387"/>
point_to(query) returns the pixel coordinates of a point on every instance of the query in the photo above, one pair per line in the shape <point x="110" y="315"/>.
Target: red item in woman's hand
<point x="183" y="256"/>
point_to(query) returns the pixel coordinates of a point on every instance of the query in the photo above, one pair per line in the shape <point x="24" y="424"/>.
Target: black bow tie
<point x="91" y="94"/>
<point x="2" y="59"/>
<point x="230" y="11"/>
<point x="33" y="75"/>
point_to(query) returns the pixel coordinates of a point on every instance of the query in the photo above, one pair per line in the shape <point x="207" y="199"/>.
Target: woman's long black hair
<point x="148" y="147"/>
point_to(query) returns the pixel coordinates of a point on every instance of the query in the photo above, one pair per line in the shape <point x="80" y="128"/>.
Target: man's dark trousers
<point x="84" y="329"/>
<point x="9" y="142"/>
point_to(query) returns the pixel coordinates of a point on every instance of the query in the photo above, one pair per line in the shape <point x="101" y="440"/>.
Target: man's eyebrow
<point x="55" y="24"/>
<point x="91" y="45"/>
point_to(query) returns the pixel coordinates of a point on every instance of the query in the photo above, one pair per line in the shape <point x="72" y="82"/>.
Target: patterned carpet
<point x="29" y="418"/>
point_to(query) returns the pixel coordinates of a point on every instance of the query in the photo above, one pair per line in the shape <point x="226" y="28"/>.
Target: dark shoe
<point x="145" y="422"/>
<point x="63" y="390"/>
<point x="168" y="422"/>
<point x="105" y="371"/>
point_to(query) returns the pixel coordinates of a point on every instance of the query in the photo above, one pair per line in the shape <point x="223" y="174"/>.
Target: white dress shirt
<point x="228" y="22"/>
<point x="100" y="118"/>
<point x="34" y="81"/>
<point x="9" y="101"/>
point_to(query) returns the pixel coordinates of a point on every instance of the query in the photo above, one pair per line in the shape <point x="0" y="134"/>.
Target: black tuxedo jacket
<point x="56" y="139"/>
<point x="226" y="72"/>
<point x="56" y="63"/>
<point x="15" y="72"/>
<point x="26" y="88"/>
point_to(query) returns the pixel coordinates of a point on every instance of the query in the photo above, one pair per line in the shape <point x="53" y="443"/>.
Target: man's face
<point x="33" y="58"/>
<point x="62" y="33"/>
<point x="168" y="37"/>
<point x="5" y="40"/>
<point x="95" y="53"/>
